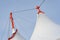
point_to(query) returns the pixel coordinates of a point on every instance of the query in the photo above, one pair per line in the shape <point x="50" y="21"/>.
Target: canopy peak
<point x="39" y="11"/>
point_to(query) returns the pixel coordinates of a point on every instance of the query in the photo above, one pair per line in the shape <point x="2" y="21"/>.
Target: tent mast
<point x="12" y="22"/>
<point x="13" y="28"/>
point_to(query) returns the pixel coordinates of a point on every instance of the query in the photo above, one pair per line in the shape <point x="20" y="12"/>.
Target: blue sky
<point x="25" y="21"/>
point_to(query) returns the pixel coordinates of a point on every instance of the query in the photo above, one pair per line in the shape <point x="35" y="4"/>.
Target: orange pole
<point x="12" y="21"/>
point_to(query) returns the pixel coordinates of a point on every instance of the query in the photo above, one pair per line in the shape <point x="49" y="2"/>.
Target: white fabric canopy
<point x="45" y="29"/>
<point x="18" y="37"/>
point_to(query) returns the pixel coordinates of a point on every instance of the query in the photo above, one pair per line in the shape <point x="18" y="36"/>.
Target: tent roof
<point x="45" y="29"/>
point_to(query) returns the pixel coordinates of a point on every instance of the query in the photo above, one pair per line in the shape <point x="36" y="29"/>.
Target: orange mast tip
<point x="37" y="7"/>
<point x="39" y="11"/>
<point x="10" y="13"/>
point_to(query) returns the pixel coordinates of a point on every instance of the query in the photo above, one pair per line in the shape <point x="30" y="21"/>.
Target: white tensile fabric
<point x="18" y="37"/>
<point x="45" y="29"/>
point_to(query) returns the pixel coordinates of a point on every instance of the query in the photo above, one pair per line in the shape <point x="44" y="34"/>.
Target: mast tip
<point x="39" y="11"/>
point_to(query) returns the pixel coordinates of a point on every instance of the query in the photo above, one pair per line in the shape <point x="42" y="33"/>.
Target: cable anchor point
<point x="39" y="11"/>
